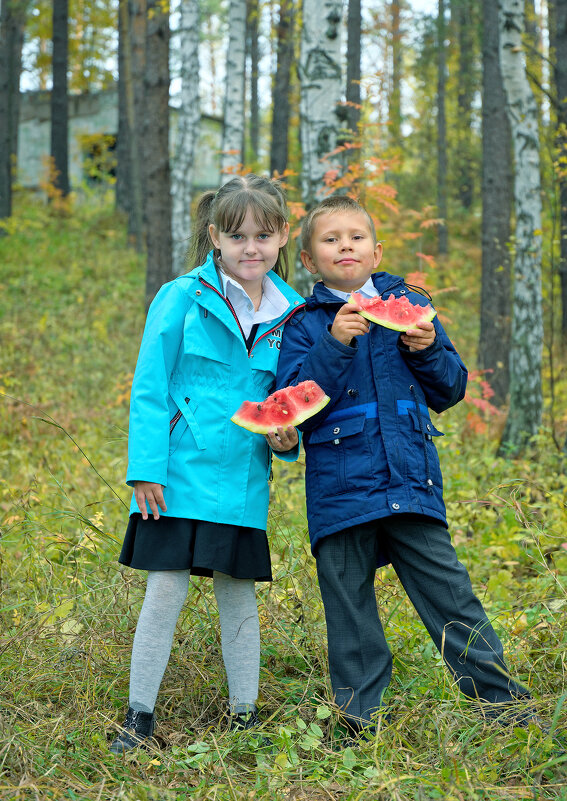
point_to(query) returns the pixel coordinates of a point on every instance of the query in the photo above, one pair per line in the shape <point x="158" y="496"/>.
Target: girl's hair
<point x="226" y="210"/>
<point x="331" y="205"/>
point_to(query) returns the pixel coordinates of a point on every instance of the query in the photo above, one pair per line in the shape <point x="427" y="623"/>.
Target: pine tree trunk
<point x="5" y="117"/>
<point x="495" y="306"/>
<point x="128" y="175"/>
<point x="252" y="31"/>
<point x="559" y="42"/>
<point x="280" y="100"/>
<point x="443" y="236"/>
<point x="233" y="135"/>
<point x="321" y="86"/>
<point x="395" y="111"/>
<point x="123" y="185"/>
<point x="354" y="26"/>
<point x="524" y="416"/>
<point x="187" y="133"/>
<point x="156" y="150"/>
<point x="59" y="107"/>
<point x="138" y="32"/>
<point x="465" y="94"/>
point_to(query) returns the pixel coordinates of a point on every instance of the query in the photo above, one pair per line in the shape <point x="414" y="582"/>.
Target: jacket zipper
<point x="231" y="307"/>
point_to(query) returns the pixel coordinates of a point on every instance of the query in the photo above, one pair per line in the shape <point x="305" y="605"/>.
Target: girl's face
<point x="248" y="253"/>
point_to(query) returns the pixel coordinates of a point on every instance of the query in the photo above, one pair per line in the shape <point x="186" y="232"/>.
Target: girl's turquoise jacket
<point x="193" y="372"/>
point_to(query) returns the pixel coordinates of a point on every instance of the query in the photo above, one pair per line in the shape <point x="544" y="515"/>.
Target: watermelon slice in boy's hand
<point x="399" y="314"/>
<point x="286" y="407"/>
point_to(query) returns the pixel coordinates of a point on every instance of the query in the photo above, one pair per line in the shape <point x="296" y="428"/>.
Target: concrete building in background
<point x="93" y="127"/>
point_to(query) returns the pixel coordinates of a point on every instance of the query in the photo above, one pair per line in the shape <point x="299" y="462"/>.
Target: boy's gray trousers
<point x="439" y="587"/>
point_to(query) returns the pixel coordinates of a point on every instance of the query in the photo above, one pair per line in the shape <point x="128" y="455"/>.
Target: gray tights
<point x="240" y="636"/>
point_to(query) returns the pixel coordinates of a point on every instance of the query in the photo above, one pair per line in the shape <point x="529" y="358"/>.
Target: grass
<point x="71" y="316"/>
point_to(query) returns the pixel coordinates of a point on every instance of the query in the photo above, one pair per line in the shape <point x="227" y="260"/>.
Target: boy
<point x="373" y="481"/>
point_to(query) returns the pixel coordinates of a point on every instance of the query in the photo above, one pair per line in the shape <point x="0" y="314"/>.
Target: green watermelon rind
<point x="298" y="418"/>
<point x="427" y="316"/>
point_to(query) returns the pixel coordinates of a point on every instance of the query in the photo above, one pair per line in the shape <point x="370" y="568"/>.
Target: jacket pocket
<point x="339" y="456"/>
<point x="427" y="466"/>
<point x="183" y="418"/>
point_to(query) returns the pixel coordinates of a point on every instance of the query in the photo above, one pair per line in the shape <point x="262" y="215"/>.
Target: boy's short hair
<point x="330" y="205"/>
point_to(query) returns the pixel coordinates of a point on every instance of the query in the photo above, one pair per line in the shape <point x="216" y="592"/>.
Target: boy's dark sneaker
<point x="138" y="728"/>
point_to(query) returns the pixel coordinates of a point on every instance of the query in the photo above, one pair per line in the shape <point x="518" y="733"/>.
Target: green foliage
<point x="71" y="316"/>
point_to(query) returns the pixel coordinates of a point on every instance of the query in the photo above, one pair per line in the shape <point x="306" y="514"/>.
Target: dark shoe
<point x="244" y="720"/>
<point x="138" y="727"/>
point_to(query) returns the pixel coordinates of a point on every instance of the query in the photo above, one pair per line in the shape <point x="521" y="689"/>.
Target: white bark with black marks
<point x="321" y="88"/>
<point x="524" y="417"/>
<point x="187" y="133"/>
<point x="233" y="136"/>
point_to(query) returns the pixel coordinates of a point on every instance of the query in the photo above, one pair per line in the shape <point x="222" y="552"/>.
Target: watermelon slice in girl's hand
<point x="286" y="407"/>
<point x="399" y="314"/>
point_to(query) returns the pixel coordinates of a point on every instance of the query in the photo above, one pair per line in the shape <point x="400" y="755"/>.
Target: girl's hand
<point x="283" y="439"/>
<point x="419" y="338"/>
<point x="153" y="494"/>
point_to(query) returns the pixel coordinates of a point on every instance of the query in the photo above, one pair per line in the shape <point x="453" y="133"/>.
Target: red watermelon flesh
<point x="289" y="406"/>
<point x="399" y="314"/>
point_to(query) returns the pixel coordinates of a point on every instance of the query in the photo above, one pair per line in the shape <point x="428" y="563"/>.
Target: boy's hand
<point x="419" y="338"/>
<point x="283" y="439"/>
<point x="348" y="324"/>
<point x="153" y="494"/>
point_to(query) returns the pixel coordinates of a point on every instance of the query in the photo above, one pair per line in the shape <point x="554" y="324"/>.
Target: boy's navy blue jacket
<point x="370" y="452"/>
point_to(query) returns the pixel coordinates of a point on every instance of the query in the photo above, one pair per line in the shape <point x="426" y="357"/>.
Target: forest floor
<point x="71" y="317"/>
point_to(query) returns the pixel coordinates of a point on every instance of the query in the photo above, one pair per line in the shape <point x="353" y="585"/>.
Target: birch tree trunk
<point x="495" y="302"/>
<point x="156" y="150"/>
<point x="233" y="135"/>
<point x="395" y="100"/>
<point x="321" y="87"/>
<point x="187" y="132"/>
<point x="524" y="416"/>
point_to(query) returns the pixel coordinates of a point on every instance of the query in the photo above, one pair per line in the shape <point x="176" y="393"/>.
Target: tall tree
<point x="443" y="237"/>
<point x="233" y="135"/>
<point x="354" y="28"/>
<point x="280" y="98"/>
<point x="12" y="22"/>
<point x="156" y="149"/>
<point x="128" y="173"/>
<point x="558" y="31"/>
<point x="465" y="25"/>
<point x="321" y="87"/>
<point x="187" y="132"/>
<point x="59" y="99"/>
<point x="253" y="50"/>
<point x="524" y="416"/>
<point x="494" y="341"/>
<point x="395" y="110"/>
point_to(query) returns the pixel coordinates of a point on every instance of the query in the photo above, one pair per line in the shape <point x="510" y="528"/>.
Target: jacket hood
<point x="384" y="282"/>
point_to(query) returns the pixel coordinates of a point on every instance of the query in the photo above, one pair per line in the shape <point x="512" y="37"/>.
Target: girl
<point x="200" y="499"/>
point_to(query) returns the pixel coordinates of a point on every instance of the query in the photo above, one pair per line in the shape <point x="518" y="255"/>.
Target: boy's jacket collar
<point x="384" y="282"/>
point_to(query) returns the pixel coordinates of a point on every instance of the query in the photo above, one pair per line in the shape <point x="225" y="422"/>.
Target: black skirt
<point x="174" y="543"/>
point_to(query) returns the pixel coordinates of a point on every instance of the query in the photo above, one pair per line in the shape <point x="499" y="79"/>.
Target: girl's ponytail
<point x="200" y="241"/>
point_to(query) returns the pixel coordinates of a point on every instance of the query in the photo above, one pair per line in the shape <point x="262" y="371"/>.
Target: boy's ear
<point x="377" y="254"/>
<point x="308" y="262"/>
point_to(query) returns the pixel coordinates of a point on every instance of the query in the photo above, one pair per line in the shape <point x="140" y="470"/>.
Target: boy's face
<point x="342" y="250"/>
